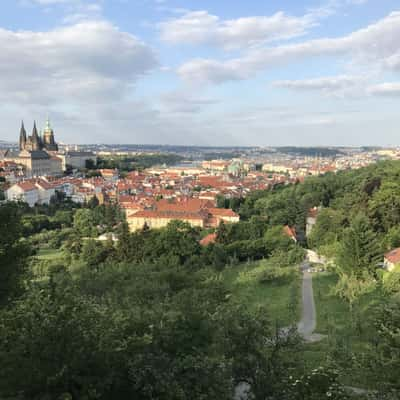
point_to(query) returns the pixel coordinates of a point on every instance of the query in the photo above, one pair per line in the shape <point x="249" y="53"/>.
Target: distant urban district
<point x="161" y="272"/>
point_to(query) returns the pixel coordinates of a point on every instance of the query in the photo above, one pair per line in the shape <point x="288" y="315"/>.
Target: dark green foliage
<point x="13" y="252"/>
<point x="392" y="238"/>
<point x="311" y="151"/>
<point x="328" y="229"/>
<point x="137" y="162"/>
<point x="233" y="203"/>
<point x="93" y="202"/>
<point x="360" y="251"/>
<point x="320" y="384"/>
<point x="94" y="252"/>
<point x="89" y="222"/>
<point x="137" y="332"/>
<point x="385" y="360"/>
<point x="148" y="317"/>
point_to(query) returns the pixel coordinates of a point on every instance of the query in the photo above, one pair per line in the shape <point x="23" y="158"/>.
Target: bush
<point x="276" y="274"/>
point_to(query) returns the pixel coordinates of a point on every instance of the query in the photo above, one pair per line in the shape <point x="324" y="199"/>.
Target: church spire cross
<point x="48" y="127"/>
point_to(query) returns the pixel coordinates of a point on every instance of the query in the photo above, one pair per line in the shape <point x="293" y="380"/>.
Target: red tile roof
<point x="223" y="212"/>
<point x="211" y="238"/>
<point x="290" y="232"/>
<point x="27" y="186"/>
<point x="44" y="185"/>
<point x="183" y="205"/>
<point x="393" y="256"/>
<point x="169" y="215"/>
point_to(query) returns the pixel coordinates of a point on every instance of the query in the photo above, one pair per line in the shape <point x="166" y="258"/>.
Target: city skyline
<point x="174" y="72"/>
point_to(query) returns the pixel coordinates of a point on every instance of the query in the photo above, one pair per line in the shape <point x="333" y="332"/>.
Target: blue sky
<point x="203" y="72"/>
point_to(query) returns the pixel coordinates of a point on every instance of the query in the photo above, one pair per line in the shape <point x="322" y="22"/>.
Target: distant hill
<point x="311" y="151"/>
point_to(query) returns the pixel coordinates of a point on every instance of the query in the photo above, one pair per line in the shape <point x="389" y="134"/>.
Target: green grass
<point x="243" y="281"/>
<point x="49" y="254"/>
<point x="347" y="332"/>
<point x="43" y="260"/>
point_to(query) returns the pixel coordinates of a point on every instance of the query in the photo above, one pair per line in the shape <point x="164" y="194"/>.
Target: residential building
<point x="391" y="259"/>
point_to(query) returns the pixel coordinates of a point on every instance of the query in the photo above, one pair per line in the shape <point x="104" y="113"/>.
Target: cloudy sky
<point x="206" y="72"/>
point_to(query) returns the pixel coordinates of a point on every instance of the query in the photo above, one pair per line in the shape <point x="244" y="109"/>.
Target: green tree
<point x="385" y="358"/>
<point x="392" y="239"/>
<point x="360" y="249"/>
<point x="95" y="253"/>
<point x="93" y="202"/>
<point x="84" y="223"/>
<point x="13" y="252"/>
<point x="384" y="206"/>
<point x="328" y="229"/>
<point x="357" y="259"/>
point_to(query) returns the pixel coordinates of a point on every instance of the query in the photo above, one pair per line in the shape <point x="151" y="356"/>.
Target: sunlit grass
<point x="349" y="333"/>
<point x="244" y="282"/>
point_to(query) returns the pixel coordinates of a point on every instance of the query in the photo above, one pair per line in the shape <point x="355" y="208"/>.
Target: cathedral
<point x="38" y="153"/>
<point x="37" y="142"/>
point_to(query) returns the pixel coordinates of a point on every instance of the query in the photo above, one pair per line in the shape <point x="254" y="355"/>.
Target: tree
<point x="384" y="207"/>
<point x="275" y="239"/>
<point x="179" y="240"/>
<point x="50" y="345"/>
<point x="385" y="357"/>
<point x="328" y="229"/>
<point x="123" y="249"/>
<point x="95" y="253"/>
<point x="93" y="202"/>
<point x="84" y="223"/>
<point x="392" y="239"/>
<point x="357" y="260"/>
<point x="13" y="252"/>
<point x="360" y="249"/>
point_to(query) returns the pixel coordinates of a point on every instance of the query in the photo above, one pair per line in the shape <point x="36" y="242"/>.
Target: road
<point x="308" y="322"/>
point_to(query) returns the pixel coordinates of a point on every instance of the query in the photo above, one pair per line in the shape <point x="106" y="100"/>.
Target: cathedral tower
<point x="22" y="137"/>
<point x="48" y="137"/>
<point x="36" y="141"/>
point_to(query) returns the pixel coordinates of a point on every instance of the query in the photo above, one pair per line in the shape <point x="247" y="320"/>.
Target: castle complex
<point x="36" y="142"/>
<point x="38" y="153"/>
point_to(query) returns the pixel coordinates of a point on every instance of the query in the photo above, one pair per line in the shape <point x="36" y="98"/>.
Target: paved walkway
<point x="308" y="322"/>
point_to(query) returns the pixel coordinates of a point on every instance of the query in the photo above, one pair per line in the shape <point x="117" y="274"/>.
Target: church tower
<point x="22" y="137"/>
<point x="36" y="141"/>
<point x="48" y="138"/>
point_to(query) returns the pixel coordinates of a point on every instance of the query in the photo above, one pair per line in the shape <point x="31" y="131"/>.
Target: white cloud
<point x="50" y="2"/>
<point x="375" y="44"/>
<point x="340" y="85"/>
<point x="200" y="27"/>
<point x="91" y="61"/>
<point x="393" y="62"/>
<point x="389" y="89"/>
<point x="74" y="10"/>
<point x="357" y="2"/>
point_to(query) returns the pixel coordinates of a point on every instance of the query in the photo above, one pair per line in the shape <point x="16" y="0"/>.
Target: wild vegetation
<point x="154" y="315"/>
<point x="137" y="162"/>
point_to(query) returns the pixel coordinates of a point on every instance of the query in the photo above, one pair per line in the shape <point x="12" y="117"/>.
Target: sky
<point x="205" y="72"/>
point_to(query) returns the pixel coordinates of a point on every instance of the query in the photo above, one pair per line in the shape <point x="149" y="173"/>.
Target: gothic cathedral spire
<point x="36" y="142"/>
<point x="22" y="137"/>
